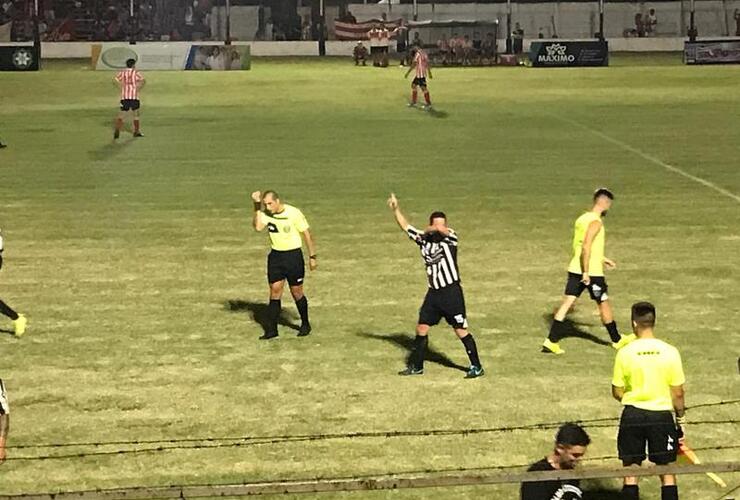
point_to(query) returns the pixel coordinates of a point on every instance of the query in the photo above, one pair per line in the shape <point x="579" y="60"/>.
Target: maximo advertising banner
<point x="569" y="53"/>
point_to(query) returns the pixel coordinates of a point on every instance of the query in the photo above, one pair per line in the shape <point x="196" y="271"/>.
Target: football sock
<point x="472" y="350"/>
<point x="556" y="331"/>
<point x="302" y="306"/>
<point x="136" y="125"/>
<point x="427" y="98"/>
<point x="7" y="311"/>
<point x="119" y="123"/>
<point x="612" y="329"/>
<point x="416" y="359"/>
<point x="669" y="492"/>
<point x="273" y="314"/>
<point x="414" y="95"/>
<point x="631" y="492"/>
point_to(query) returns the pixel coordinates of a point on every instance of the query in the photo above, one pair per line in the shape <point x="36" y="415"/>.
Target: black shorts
<point x="377" y="49"/>
<point x="288" y="265"/>
<point x="596" y="289"/>
<point x="421" y="82"/>
<point x="447" y="303"/>
<point x="655" y="430"/>
<point x="130" y="104"/>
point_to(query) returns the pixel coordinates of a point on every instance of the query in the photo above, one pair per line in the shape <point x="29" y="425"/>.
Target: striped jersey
<point x="130" y="79"/>
<point x="440" y="257"/>
<point x="421" y="62"/>
<point x="4" y="408"/>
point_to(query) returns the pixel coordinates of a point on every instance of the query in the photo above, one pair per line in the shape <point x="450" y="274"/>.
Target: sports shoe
<point x="138" y="134"/>
<point x="626" y="339"/>
<point x="427" y="107"/>
<point x="551" y="347"/>
<point x="475" y="372"/>
<point x="19" y="325"/>
<point x="410" y="370"/>
<point x="3" y="145"/>
<point x="116" y="134"/>
<point x="411" y="104"/>
<point x="269" y="335"/>
<point x="305" y="329"/>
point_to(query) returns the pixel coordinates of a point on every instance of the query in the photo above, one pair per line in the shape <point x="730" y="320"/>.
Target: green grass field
<point x="137" y="267"/>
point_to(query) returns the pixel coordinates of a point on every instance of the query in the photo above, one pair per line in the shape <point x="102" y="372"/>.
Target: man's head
<point x="603" y="199"/>
<point x="130" y="63"/>
<point x="570" y="445"/>
<point x="643" y="317"/>
<point x="652" y="12"/>
<point x="437" y="221"/>
<point x="271" y="200"/>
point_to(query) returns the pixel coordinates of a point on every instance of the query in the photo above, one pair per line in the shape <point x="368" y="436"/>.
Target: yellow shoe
<point x="626" y="339"/>
<point x="551" y="347"/>
<point x="19" y="325"/>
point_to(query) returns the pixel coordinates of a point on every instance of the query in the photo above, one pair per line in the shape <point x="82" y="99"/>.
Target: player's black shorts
<point x="287" y="265"/>
<point x="639" y="428"/>
<point x="447" y="303"/>
<point x="596" y="289"/>
<point x="421" y="82"/>
<point x="130" y="104"/>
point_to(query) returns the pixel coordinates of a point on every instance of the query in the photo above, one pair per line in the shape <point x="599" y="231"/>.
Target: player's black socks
<point x="472" y="350"/>
<point x="631" y="492"/>
<point x="418" y="352"/>
<point x="7" y="311"/>
<point x="556" y="331"/>
<point x="613" y="332"/>
<point x="669" y="492"/>
<point x="273" y="315"/>
<point x="302" y="306"/>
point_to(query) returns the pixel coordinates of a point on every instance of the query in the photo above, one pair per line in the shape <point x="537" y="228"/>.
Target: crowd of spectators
<point x="463" y="50"/>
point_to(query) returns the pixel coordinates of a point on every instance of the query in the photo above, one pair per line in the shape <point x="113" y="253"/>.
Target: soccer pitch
<point x="138" y="269"/>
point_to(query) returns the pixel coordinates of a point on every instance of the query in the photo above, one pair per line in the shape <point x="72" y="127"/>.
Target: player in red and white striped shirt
<point x="131" y="82"/>
<point x="420" y="64"/>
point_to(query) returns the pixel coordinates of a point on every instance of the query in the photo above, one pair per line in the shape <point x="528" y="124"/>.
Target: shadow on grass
<point x="406" y="342"/>
<point x="110" y="150"/>
<point x="437" y="113"/>
<point x="8" y="332"/>
<point x="573" y="329"/>
<point x="258" y="312"/>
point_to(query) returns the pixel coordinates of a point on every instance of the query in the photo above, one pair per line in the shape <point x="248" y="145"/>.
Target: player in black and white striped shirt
<point x="4" y="420"/>
<point x="444" y="299"/>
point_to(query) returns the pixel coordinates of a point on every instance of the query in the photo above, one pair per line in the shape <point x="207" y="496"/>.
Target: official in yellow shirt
<point x="648" y="380"/>
<point x="288" y="228"/>
<point x="586" y="272"/>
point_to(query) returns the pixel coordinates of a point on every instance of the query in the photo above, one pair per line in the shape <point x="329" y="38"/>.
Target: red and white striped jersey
<point x="130" y="79"/>
<point x="421" y="62"/>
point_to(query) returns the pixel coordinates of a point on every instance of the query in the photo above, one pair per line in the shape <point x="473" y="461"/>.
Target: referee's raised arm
<point x="400" y="218"/>
<point x="257" y="222"/>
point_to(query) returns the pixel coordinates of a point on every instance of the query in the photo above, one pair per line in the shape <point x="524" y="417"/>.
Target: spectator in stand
<point x="306" y="33"/>
<point x="639" y="25"/>
<point x="477" y="43"/>
<point x="443" y="45"/>
<point x="454" y="44"/>
<point x="517" y="39"/>
<point x="651" y="22"/>
<point x="385" y="42"/>
<point x="416" y="42"/>
<point x="488" y="49"/>
<point x="351" y="18"/>
<point x="736" y="15"/>
<point x="467" y="51"/>
<point x="374" y="38"/>
<point x="359" y="54"/>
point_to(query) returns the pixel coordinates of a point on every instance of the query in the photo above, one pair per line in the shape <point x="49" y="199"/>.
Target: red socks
<point x="427" y="98"/>
<point x="119" y="123"/>
<point x="414" y="95"/>
<point x="136" y="126"/>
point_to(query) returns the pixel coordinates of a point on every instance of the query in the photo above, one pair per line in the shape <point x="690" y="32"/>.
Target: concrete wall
<point x="571" y="19"/>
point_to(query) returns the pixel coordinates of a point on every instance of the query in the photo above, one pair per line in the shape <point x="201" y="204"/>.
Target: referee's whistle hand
<point x="257" y="196"/>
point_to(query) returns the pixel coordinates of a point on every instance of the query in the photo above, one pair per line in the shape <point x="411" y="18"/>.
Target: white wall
<point x="573" y="20"/>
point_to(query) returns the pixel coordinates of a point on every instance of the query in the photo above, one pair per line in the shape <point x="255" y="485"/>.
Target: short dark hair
<point x="603" y="192"/>
<point x="130" y="63"/>
<point x="571" y="434"/>
<point x="272" y="193"/>
<point x="437" y="215"/>
<point x="643" y="314"/>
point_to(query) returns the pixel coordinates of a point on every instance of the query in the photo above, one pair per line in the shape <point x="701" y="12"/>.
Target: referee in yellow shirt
<point x="648" y="381"/>
<point x="287" y="227"/>
<point x="586" y="272"/>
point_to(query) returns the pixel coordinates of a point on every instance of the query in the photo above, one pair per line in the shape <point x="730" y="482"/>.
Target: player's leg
<point x="276" y="280"/>
<point x="301" y="303"/>
<point x="631" y="443"/>
<point x="19" y="320"/>
<point x="453" y="306"/>
<point x="573" y="289"/>
<point x="663" y="444"/>
<point x="427" y="98"/>
<point x="137" y="122"/>
<point x="429" y="315"/>
<point x="598" y="290"/>
<point x="414" y="93"/>
<point x="295" y="271"/>
<point x="119" y="120"/>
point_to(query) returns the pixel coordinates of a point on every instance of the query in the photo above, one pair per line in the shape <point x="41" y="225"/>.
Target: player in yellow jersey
<point x="288" y="228"/>
<point x="648" y="380"/>
<point x="586" y="272"/>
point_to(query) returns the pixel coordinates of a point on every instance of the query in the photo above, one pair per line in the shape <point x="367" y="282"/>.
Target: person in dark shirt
<point x="571" y="442"/>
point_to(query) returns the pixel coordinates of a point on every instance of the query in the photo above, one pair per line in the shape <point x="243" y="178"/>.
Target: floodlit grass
<point x="137" y="267"/>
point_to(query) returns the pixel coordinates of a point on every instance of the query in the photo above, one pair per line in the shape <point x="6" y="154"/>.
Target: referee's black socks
<point x="273" y="315"/>
<point x="556" y="331"/>
<point x="418" y="352"/>
<point x="472" y="350"/>
<point x="7" y="311"/>
<point x="613" y="332"/>
<point x="669" y="492"/>
<point x="302" y="305"/>
<point x="631" y="492"/>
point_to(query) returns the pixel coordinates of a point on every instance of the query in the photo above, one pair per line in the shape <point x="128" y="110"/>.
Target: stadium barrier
<point x="712" y="52"/>
<point x="368" y="483"/>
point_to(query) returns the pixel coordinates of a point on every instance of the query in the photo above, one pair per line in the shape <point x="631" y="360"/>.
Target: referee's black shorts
<point x="640" y="429"/>
<point x="596" y="289"/>
<point x="286" y="265"/>
<point x="447" y="303"/>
